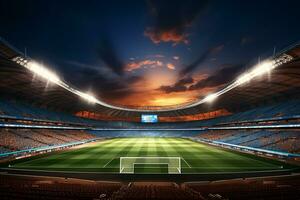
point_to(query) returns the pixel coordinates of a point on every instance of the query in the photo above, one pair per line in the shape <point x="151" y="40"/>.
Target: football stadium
<point x="152" y="122"/>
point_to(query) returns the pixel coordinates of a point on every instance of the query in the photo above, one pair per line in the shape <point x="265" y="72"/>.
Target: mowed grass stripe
<point x="209" y="158"/>
<point x="192" y="153"/>
<point x="90" y="159"/>
<point x="112" y="154"/>
<point x="179" y="148"/>
<point x="77" y="158"/>
<point x="143" y="148"/>
<point x="119" y="151"/>
<point x="162" y="150"/>
<point x="104" y="156"/>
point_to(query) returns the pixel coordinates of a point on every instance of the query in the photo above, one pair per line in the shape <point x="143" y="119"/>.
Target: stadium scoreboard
<point x="149" y="118"/>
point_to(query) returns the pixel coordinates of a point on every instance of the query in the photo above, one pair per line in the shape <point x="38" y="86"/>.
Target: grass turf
<point x="104" y="156"/>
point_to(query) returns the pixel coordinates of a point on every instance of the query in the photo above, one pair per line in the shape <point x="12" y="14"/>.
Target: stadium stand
<point x="271" y="114"/>
<point x="25" y="111"/>
<point x="277" y="140"/>
<point x="34" y="187"/>
<point x="21" y="187"/>
<point x="21" y="139"/>
<point x="154" y="191"/>
<point x="29" y="99"/>
<point x="278" y="113"/>
<point x="256" y="188"/>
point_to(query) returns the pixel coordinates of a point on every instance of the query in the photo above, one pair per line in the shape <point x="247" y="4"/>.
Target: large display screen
<point x="149" y="118"/>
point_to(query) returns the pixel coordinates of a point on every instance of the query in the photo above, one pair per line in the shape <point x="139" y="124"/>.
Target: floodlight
<point x="258" y="70"/>
<point x="243" y="79"/>
<point x="210" y="97"/>
<point x="87" y="97"/>
<point x="262" y="68"/>
<point x="42" y="71"/>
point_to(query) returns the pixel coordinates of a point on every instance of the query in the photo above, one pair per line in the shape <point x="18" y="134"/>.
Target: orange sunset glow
<point x="147" y="91"/>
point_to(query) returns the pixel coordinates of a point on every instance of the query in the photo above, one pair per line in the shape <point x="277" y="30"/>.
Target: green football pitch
<point x="104" y="156"/>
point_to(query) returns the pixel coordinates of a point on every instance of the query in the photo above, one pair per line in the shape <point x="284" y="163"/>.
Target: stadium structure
<point x="241" y="142"/>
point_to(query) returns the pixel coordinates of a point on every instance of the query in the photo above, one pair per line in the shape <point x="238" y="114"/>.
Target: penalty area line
<point x="186" y="162"/>
<point x="108" y="162"/>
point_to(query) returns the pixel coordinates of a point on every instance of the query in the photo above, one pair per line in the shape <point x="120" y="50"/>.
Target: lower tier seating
<point x="17" y="188"/>
<point x="54" y="188"/>
<point x="21" y="139"/>
<point x="286" y="140"/>
<point x="168" y="191"/>
<point x="287" y="188"/>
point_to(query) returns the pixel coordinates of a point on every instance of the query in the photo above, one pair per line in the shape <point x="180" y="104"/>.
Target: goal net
<point x="172" y="165"/>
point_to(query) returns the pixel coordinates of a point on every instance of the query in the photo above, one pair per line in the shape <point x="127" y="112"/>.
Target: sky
<point x="149" y="52"/>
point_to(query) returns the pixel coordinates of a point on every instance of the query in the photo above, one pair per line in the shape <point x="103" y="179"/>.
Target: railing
<point x="9" y="117"/>
<point x="293" y="117"/>
<point x="26" y="126"/>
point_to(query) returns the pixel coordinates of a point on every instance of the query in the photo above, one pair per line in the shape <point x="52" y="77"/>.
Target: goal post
<point x="128" y="164"/>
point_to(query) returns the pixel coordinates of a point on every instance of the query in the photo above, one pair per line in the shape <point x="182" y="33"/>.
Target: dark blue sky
<point x="159" y="52"/>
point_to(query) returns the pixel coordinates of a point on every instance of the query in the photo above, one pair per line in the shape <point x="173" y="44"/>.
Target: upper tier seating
<point x="285" y="109"/>
<point x="23" y="110"/>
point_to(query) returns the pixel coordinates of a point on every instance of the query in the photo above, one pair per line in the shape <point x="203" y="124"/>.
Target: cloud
<point x="185" y="81"/>
<point x="143" y="64"/>
<point x="108" y="54"/>
<point x="191" y="67"/>
<point x="173" y="88"/>
<point x="171" y="19"/>
<point x="222" y="76"/>
<point x="179" y="86"/>
<point x="170" y="66"/>
<point x="148" y="63"/>
<point x="201" y="59"/>
<point x="128" y="90"/>
<point x="156" y="56"/>
<point x="201" y="82"/>
<point x="103" y="84"/>
<point x="89" y="66"/>
<point x="176" y="57"/>
<point x="166" y="36"/>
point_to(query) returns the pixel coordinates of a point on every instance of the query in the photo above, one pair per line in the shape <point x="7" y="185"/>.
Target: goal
<point x="128" y="165"/>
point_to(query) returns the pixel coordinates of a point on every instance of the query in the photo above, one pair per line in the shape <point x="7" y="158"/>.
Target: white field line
<point x="236" y="167"/>
<point x="186" y="162"/>
<point x="108" y="162"/>
<point x="78" y="172"/>
<point x="121" y="171"/>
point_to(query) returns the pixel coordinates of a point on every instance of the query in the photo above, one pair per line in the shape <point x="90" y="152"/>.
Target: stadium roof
<point x="282" y="82"/>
